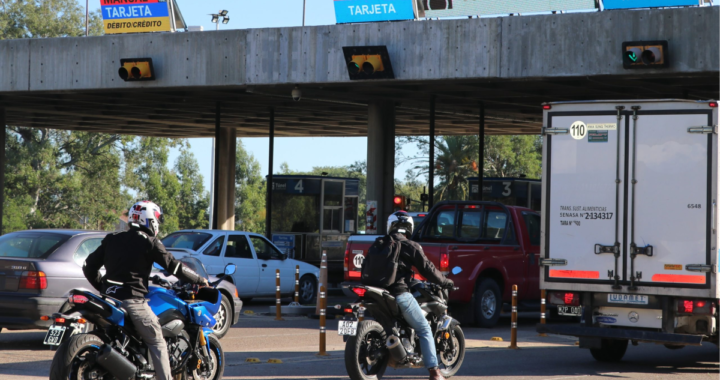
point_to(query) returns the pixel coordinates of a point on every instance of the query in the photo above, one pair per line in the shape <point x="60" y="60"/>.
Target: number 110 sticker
<point x="578" y="130"/>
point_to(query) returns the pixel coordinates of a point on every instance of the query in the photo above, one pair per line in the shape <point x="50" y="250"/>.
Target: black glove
<point x="448" y="284"/>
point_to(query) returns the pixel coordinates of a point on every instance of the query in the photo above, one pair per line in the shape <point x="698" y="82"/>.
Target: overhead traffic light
<point x="368" y="62"/>
<point x="134" y="69"/>
<point x="645" y="54"/>
<point x="399" y="202"/>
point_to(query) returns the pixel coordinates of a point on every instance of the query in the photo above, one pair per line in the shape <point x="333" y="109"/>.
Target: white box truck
<point x="629" y="222"/>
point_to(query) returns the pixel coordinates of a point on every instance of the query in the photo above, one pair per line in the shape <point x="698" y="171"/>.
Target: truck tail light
<point x="713" y="104"/>
<point x="565" y="298"/>
<point x="33" y="280"/>
<point x="444" y="263"/>
<point x="359" y="291"/>
<point x="698" y="307"/>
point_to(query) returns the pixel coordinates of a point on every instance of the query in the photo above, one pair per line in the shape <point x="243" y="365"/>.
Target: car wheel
<point x="223" y="318"/>
<point x="308" y="289"/>
<point x="488" y="303"/>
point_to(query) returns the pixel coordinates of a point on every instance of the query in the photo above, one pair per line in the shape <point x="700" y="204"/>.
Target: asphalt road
<point x="295" y="342"/>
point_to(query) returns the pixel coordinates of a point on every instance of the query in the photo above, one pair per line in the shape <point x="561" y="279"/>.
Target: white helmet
<point x="146" y="215"/>
<point x="401" y="222"/>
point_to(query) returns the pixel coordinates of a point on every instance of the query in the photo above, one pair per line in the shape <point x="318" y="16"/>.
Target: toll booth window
<point x="215" y="247"/>
<point x="333" y="193"/>
<point x="265" y="250"/>
<point x="469" y="223"/>
<point x="332" y="219"/>
<point x="238" y="246"/>
<point x="295" y="212"/>
<point x="494" y="224"/>
<point x="532" y="222"/>
<point x="442" y="226"/>
<point x="351" y="214"/>
<point x="536" y="196"/>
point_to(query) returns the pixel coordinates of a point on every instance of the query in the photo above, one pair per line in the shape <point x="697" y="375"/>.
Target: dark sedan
<point x="38" y="268"/>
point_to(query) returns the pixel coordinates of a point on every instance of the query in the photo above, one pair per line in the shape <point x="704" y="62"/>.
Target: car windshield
<point x="188" y="240"/>
<point x="31" y="245"/>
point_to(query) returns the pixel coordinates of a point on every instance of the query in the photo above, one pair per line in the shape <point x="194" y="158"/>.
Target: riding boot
<point x="435" y="374"/>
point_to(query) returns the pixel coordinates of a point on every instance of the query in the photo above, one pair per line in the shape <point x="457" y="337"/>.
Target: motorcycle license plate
<point x="347" y="328"/>
<point x="54" y="335"/>
<point x="574" y="311"/>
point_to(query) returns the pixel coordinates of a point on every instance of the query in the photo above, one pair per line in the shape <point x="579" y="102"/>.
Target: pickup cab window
<point x="532" y="222"/>
<point x="442" y="225"/>
<point x="470" y="222"/>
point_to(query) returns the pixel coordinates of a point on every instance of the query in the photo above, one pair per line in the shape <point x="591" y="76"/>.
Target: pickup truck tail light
<point x="565" y="298"/>
<point x="698" y="307"/>
<point x="346" y="264"/>
<point x="444" y="263"/>
<point x="33" y="280"/>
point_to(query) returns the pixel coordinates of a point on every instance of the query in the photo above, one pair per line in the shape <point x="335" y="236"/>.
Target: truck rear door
<point x="629" y="197"/>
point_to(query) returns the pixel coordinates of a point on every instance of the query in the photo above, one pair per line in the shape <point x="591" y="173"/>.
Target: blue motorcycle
<point x="115" y="351"/>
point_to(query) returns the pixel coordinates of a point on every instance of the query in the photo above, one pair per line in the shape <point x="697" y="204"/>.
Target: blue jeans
<point x="414" y="317"/>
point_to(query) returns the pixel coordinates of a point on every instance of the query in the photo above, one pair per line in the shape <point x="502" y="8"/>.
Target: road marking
<point x="252" y="360"/>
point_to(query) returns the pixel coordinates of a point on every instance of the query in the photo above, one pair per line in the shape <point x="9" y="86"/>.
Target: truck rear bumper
<point x="622" y="334"/>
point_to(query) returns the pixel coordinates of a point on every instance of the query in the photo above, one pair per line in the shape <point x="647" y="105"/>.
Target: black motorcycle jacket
<point x="412" y="255"/>
<point x="128" y="258"/>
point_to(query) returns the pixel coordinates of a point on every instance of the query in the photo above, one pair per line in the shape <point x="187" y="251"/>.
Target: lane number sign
<point x="578" y="130"/>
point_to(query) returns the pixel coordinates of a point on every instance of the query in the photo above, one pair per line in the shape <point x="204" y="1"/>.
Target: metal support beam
<point x="481" y="156"/>
<point x="216" y="171"/>
<point x="431" y="166"/>
<point x="268" y="185"/>
<point x="2" y="168"/>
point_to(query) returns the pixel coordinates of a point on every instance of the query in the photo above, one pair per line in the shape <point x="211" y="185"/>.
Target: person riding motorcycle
<point x="399" y="228"/>
<point x="128" y="258"/>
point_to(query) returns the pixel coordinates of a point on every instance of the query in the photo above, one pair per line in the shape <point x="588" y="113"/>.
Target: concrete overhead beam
<point x="547" y="46"/>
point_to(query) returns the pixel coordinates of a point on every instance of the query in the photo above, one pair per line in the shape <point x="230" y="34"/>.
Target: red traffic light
<point x="397" y="200"/>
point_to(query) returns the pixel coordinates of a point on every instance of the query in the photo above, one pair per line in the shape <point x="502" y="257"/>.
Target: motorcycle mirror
<point x="456" y="270"/>
<point x="230" y="269"/>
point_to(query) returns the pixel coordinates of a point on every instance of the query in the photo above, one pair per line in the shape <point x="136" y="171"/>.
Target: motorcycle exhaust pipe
<point x="115" y="363"/>
<point x="397" y="351"/>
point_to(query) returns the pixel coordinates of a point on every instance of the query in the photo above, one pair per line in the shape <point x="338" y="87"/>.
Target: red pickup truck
<point x="496" y="246"/>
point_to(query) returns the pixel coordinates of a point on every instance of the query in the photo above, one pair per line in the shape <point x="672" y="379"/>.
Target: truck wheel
<point x="610" y="350"/>
<point x="488" y="303"/>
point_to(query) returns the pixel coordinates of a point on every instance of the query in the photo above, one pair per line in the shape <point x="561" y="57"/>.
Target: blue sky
<point x="301" y="153"/>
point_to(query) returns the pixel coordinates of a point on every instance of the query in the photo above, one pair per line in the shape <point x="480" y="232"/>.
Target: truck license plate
<point x="347" y="328"/>
<point x="573" y="311"/>
<point x="628" y="299"/>
<point x="54" y="335"/>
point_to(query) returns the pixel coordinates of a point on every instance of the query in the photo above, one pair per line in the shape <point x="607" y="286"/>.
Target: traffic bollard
<point x="543" y="309"/>
<point x="297" y="284"/>
<point x="323" y="310"/>
<point x="513" y="323"/>
<point x="278" y="310"/>
<point x="322" y="281"/>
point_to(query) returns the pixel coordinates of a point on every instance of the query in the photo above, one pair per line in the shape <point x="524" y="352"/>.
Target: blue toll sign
<point x="286" y="244"/>
<point x="347" y="11"/>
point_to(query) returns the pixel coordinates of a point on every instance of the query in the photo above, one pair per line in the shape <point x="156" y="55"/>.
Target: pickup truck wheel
<point x="610" y="350"/>
<point x="488" y="303"/>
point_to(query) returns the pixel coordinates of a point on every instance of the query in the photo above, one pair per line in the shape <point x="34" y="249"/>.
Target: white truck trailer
<point x="629" y="222"/>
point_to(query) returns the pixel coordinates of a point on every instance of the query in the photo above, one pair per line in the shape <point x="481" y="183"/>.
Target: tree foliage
<point x="45" y="19"/>
<point x="249" y="192"/>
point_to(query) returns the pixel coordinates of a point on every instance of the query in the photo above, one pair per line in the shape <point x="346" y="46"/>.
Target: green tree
<point x="249" y="192"/>
<point x="193" y="200"/>
<point x="46" y="19"/>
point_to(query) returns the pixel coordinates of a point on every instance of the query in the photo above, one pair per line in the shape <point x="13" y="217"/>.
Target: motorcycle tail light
<point x="359" y="291"/>
<point x="77" y="299"/>
<point x="59" y="320"/>
<point x="348" y="311"/>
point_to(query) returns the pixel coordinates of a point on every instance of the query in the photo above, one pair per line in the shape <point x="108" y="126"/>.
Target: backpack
<point x="381" y="263"/>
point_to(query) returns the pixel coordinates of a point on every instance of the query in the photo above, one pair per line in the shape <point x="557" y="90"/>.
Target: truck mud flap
<point x="611" y="333"/>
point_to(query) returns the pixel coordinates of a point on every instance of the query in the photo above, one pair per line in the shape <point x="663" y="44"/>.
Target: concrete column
<point x="225" y="182"/>
<point x="2" y="168"/>
<point x="381" y="160"/>
<point x="268" y="187"/>
<point x="431" y="163"/>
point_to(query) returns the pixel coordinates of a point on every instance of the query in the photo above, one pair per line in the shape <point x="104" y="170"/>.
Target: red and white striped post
<point x="543" y="309"/>
<point x="323" y="310"/>
<point x="297" y="284"/>
<point x="513" y="323"/>
<point x="278" y="306"/>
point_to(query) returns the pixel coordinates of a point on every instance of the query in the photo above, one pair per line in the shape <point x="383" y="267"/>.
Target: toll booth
<point x="314" y="213"/>
<point x="510" y="191"/>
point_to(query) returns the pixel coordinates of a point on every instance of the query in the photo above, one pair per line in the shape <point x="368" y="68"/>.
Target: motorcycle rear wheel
<point x="366" y="356"/>
<point x="451" y="360"/>
<point x="69" y="362"/>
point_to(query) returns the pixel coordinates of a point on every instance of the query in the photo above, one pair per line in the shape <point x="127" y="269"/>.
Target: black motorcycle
<point x="387" y="340"/>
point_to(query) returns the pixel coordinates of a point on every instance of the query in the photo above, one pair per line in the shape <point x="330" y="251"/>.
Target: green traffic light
<point x="633" y="57"/>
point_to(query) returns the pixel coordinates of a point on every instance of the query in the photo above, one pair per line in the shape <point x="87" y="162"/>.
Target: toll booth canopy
<point x="314" y="213"/>
<point x="510" y="191"/>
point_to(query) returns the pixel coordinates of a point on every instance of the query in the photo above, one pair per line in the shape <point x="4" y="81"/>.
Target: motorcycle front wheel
<point x="366" y="356"/>
<point x="72" y="359"/>
<point x="215" y="365"/>
<point x="450" y="346"/>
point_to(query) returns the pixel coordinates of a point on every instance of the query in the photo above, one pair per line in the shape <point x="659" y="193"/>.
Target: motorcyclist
<point x="400" y="227"/>
<point x="128" y="258"/>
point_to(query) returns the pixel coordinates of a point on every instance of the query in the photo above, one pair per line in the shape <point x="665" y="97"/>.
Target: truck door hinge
<point x="552" y="262"/>
<point x="701" y="268"/>
<point x="647" y="250"/>
<point x="555" y="131"/>
<point x="600" y="249"/>
<point x="704" y="129"/>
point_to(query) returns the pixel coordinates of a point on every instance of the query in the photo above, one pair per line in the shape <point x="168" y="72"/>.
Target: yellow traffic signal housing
<point x="136" y="69"/>
<point x="368" y="62"/>
<point x="645" y="54"/>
